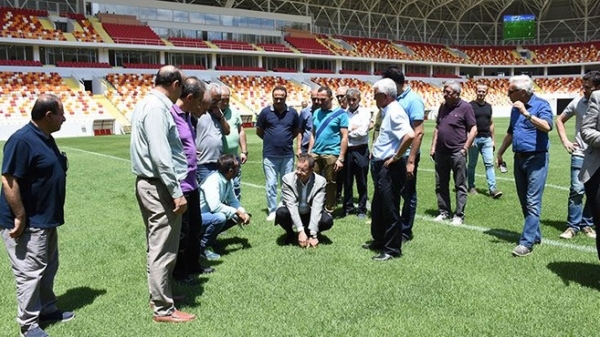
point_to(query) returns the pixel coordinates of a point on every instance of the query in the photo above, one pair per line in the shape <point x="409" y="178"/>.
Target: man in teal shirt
<point x="330" y="133"/>
<point x="236" y="138"/>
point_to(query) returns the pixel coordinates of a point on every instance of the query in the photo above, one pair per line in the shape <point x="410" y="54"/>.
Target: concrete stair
<point x="100" y="30"/>
<point x="114" y="112"/>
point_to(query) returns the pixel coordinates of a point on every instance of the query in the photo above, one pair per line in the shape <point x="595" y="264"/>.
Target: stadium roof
<point x="437" y="21"/>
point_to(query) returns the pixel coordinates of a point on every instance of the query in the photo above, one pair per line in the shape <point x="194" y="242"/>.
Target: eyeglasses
<point x="340" y="97"/>
<point x="511" y="91"/>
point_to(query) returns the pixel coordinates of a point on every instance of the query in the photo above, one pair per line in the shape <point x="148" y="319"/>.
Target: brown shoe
<point x="175" y="317"/>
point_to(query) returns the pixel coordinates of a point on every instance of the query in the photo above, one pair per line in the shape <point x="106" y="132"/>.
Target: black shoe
<point x="405" y="240"/>
<point x="382" y="257"/>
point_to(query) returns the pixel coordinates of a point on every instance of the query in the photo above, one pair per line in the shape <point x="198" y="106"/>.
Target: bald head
<point x="169" y="81"/>
<point x="48" y="113"/>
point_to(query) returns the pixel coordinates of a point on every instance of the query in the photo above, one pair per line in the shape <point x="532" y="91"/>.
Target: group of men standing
<point x="185" y="153"/>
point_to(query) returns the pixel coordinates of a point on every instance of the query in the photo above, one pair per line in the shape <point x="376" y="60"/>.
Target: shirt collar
<point x="404" y="93"/>
<point x="166" y="101"/>
<point x="310" y="180"/>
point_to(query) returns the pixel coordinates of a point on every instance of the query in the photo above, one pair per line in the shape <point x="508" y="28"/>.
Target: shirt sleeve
<point x="16" y="158"/>
<point x="569" y="110"/>
<point x="417" y="110"/>
<point x="156" y="125"/>
<point x="545" y="112"/>
<point x="260" y="121"/>
<point x="343" y="121"/>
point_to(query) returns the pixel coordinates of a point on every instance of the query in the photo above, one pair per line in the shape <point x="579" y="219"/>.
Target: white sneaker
<point x="271" y="216"/>
<point x="457" y="221"/>
<point x="441" y="217"/>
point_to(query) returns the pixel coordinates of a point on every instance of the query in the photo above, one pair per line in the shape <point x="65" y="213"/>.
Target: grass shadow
<point x="432" y="212"/>
<point x="503" y="235"/>
<point x="560" y="225"/>
<point x="221" y="246"/>
<point x="586" y="274"/>
<point x="76" y="298"/>
<point x="191" y="290"/>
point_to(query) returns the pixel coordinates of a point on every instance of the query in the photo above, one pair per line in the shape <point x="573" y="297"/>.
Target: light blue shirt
<point x="414" y="106"/>
<point x="155" y="148"/>
<point x="216" y="196"/>
<point x="394" y="126"/>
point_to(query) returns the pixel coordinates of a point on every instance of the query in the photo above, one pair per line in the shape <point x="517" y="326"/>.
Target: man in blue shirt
<point x="277" y="125"/>
<point x="31" y="208"/>
<point x="330" y="134"/>
<point x="530" y="122"/>
<point x="414" y="106"/>
<point x="306" y="116"/>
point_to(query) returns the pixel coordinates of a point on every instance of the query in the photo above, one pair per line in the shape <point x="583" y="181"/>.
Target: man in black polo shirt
<point x="484" y="143"/>
<point x="31" y="208"/>
<point x="453" y="134"/>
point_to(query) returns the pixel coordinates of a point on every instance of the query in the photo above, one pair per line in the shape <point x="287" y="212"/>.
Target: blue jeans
<point x="530" y="178"/>
<point x="485" y="146"/>
<point x="580" y="214"/>
<point x="409" y="197"/>
<point x="275" y="168"/>
<point x="213" y="224"/>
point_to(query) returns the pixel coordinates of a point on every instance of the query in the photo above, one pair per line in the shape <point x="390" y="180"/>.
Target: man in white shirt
<point x="357" y="154"/>
<point x="389" y="172"/>
<point x="302" y="209"/>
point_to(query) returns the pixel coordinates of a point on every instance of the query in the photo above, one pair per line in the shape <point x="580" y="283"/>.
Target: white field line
<point x="550" y="242"/>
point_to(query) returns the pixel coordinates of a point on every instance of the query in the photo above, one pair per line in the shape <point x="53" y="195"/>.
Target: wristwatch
<point x="341" y="160"/>
<point x="528" y="117"/>
<point x="245" y="153"/>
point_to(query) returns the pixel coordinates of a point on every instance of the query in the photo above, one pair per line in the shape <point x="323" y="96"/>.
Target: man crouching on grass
<point x="301" y="212"/>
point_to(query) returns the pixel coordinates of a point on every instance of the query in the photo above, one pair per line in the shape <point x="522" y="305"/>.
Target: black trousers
<point x="386" y="224"/>
<point x="356" y="166"/>
<point x="189" y="239"/>
<point x="284" y="219"/>
<point x="592" y="194"/>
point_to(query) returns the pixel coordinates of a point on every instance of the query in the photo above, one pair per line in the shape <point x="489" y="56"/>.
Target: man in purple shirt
<point x="453" y="135"/>
<point x="194" y="101"/>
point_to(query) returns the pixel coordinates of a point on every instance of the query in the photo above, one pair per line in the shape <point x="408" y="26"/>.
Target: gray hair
<point x="215" y="88"/>
<point x="522" y="82"/>
<point x="454" y="85"/>
<point x="386" y="86"/>
<point x="352" y="92"/>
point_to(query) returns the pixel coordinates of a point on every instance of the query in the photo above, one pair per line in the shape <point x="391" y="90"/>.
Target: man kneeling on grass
<point x="220" y="208"/>
<point x="301" y="211"/>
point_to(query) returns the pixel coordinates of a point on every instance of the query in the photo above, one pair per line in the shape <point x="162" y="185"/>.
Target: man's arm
<point x="539" y="122"/>
<point x="506" y="142"/>
<point x="317" y="206"/>
<point x="289" y="199"/>
<point x="243" y="145"/>
<point x="418" y="128"/>
<point x="433" y="141"/>
<point x="12" y="193"/>
<point x="471" y="137"/>
<point x="589" y="127"/>
<point x="493" y="134"/>
<point x="343" y="147"/>
<point x="562" y="133"/>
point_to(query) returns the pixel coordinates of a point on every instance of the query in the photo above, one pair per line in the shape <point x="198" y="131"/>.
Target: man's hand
<point x="313" y="242"/>
<point x="243" y="158"/>
<point x="520" y="106"/>
<point x="389" y="162"/>
<point x="499" y="160"/>
<point x="245" y="218"/>
<point x="570" y="147"/>
<point x="180" y="205"/>
<point x="216" y="112"/>
<point x="18" y="229"/>
<point x="338" y="166"/>
<point x="302" y="239"/>
<point x="410" y="170"/>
